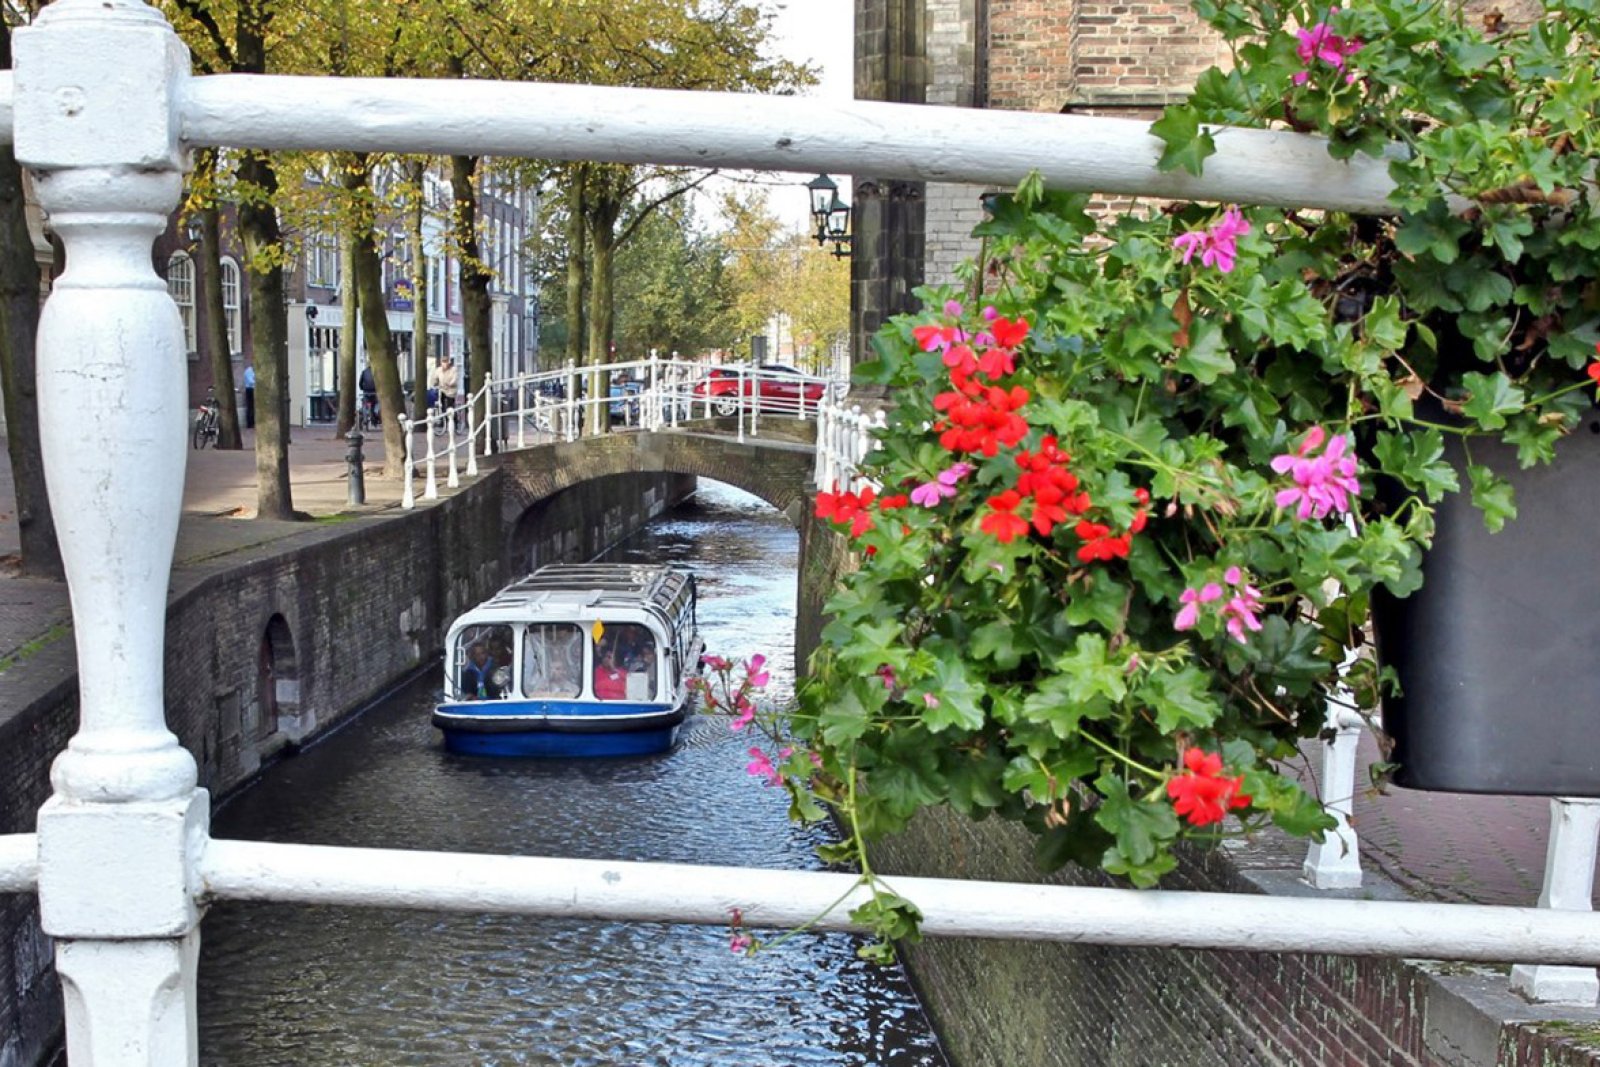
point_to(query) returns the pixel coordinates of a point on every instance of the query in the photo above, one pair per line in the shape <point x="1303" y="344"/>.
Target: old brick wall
<point x="575" y="525"/>
<point x="1002" y="1004"/>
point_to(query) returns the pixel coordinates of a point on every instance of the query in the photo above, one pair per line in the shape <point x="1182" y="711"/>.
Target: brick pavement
<point x="1443" y="846"/>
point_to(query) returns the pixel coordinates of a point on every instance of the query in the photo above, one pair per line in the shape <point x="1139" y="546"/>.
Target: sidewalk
<point x="1439" y="846"/>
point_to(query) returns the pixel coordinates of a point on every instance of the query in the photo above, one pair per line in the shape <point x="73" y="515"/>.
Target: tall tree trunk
<point x="475" y="277"/>
<point x="269" y="321"/>
<point x="602" y="252"/>
<point x="221" y="351"/>
<point x="577" y="267"/>
<point x="351" y="299"/>
<point x="19" y="325"/>
<point x="368" y="271"/>
<point x="419" y="288"/>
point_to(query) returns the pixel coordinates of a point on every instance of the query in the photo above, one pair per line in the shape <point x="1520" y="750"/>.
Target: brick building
<point x="1090" y="56"/>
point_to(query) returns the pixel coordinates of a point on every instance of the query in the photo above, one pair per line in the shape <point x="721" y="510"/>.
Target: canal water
<point x="339" y="987"/>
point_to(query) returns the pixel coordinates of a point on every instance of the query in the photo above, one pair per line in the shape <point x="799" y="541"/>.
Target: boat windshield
<point x="482" y="660"/>
<point x="625" y="660"/>
<point x="552" y="660"/>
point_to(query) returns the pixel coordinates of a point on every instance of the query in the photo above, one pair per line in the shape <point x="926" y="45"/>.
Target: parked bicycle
<point x="207" y="424"/>
<point x="368" y="416"/>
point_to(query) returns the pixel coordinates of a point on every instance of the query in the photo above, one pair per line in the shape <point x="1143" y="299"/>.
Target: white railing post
<point x="655" y="392"/>
<point x="454" y="478"/>
<point x="522" y="411"/>
<point x="744" y="384"/>
<point x="1335" y="862"/>
<point x="1568" y="885"/>
<point x="488" y="421"/>
<point x="572" y="400"/>
<point x="430" y="487"/>
<point x="98" y="92"/>
<point x="408" y="496"/>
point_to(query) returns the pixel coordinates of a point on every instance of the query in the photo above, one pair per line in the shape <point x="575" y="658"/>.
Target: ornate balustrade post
<point x="430" y="486"/>
<point x="408" y="495"/>
<point x="96" y="118"/>
<point x="1569" y="885"/>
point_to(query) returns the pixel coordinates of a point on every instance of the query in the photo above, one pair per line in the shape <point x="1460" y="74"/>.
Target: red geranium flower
<point x="1003" y="521"/>
<point x="1202" y="794"/>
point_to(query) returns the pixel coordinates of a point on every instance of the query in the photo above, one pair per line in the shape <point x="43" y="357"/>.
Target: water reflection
<point x="285" y="985"/>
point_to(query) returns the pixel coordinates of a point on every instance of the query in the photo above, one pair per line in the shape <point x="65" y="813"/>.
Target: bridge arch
<point x="779" y="472"/>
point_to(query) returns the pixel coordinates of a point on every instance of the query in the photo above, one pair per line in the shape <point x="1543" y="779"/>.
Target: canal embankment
<point x="276" y="633"/>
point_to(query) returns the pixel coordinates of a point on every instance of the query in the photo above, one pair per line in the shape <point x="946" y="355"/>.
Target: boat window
<point x="482" y="659"/>
<point x="625" y="663"/>
<point x="552" y="660"/>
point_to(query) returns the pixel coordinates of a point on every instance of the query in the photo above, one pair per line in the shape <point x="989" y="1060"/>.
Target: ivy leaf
<point x="1492" y="495"/>
<point x="1180" y="700"/>
<point x="1089" y="673"/>
<point x="1492" y="398"/>
<point x="1207" y="357"/>
<point x="1185" y="144"/>
<point x="959" y="701"/>
<point x="1383" y="325"/>
<point x="1142" y="828"/>
<point x="1417" y="460"/>
<point x="1097" y="599"/>
<point x="844" y="717"/>
<point x="997" y="641"/>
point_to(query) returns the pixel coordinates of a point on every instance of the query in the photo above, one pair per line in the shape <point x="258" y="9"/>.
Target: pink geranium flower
<point x="1323" y="484"/>
<point x="1320" y="44"/>
<point x="1216" y="246"/>
<point x="761" y="767"/>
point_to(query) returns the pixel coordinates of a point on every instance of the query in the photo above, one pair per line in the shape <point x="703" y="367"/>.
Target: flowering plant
<point x="1126" y="521"/>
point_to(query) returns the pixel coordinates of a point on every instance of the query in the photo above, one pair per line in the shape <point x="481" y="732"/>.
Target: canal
<point x="307" y="987"/>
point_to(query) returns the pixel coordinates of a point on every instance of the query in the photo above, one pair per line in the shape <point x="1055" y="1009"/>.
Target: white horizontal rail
<point x="661" y="892"/>
<point x="703" y="129"/>
<point x="19" y="863"/>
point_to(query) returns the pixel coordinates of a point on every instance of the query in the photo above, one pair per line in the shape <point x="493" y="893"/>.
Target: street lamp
<point x="832" y="215"/>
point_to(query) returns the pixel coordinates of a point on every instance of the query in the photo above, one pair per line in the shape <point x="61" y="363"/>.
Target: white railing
<point x="844" y="438"/>
<point x="651" y="395"/>
<point x="125" y="864"/>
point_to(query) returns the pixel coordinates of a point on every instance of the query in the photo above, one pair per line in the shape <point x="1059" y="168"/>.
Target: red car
<point x="780" y="388"/>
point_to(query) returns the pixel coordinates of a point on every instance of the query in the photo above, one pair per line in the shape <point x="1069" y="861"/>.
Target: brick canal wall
<point x="269" y="646"/>
<point x="1001" y="1003"/>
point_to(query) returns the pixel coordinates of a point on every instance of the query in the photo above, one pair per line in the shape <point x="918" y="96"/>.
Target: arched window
<point x="231" y="304"/>
<point x="180" y="283"/>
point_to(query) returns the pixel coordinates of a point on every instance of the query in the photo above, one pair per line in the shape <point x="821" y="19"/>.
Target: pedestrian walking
<point x="249" y="395"/>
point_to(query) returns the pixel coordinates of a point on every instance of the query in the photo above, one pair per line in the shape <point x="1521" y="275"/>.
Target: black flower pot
<point x="1499" y="653"/>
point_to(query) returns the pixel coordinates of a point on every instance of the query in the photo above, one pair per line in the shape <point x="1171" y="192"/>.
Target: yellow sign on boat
<point x="598" y="629"/>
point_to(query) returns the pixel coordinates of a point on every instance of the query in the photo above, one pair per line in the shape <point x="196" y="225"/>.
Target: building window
<point x="436" y="286"/>
<point x="455" y="286"/>
<point x="180" y="283"/>
<point x="322" y="254"/>
<point x="231" y="304"/>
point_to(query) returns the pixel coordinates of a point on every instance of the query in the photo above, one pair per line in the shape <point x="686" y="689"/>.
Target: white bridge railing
<point x="651" y="395"/>
<point x="104" y="110"/>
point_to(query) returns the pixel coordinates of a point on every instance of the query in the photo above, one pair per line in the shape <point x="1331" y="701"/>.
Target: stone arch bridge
<point x="776" y="470"/>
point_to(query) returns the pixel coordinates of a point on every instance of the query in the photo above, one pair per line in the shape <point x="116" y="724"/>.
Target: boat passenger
<point x="610" y="679"/>
<point x="477" y="677"/>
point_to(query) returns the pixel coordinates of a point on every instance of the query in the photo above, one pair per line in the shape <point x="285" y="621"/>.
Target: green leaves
<point x="1186" y="145"/>
<point x="1142" y="827"/>
<point x="1492" y="495"/>
<point x="1046" y="682"/>
<point x="1490" y="398"/>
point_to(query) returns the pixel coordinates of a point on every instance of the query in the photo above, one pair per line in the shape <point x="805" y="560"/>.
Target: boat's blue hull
<point x="558" y="728"/>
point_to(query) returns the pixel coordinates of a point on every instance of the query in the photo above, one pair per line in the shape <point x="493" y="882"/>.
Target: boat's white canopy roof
<point x="611" y="592"/>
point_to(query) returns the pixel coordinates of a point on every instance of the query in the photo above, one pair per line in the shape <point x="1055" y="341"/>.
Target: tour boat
<point x="573" y="660"/>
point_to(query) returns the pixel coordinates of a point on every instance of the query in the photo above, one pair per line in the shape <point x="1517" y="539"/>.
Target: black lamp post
<point x="832" y="215"/>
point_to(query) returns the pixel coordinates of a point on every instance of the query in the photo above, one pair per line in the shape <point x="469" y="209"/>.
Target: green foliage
<point x="1018" y="673"/>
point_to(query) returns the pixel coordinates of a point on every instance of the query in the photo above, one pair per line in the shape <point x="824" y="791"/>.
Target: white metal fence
<point x="652" y="395"/>
<point x="104" y="110"/>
